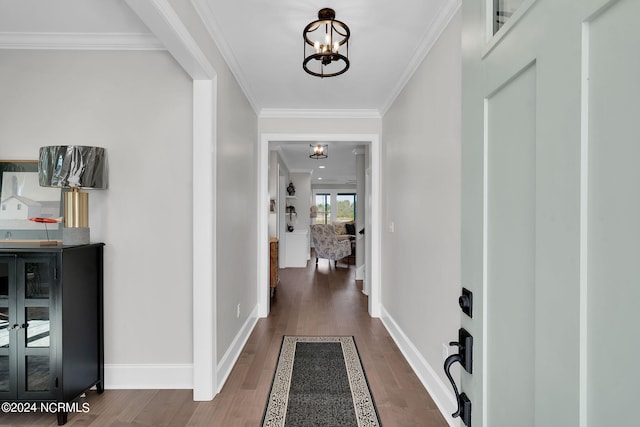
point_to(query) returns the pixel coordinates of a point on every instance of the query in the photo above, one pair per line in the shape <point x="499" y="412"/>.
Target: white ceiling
<point x="262" y="43"/>
<point x="339" y="166"/>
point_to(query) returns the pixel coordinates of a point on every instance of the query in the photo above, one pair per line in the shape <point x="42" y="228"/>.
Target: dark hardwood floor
<point x="309" y="301"/>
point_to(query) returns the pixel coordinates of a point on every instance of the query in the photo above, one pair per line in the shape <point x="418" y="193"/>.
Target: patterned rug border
<point x="364" y="405"/>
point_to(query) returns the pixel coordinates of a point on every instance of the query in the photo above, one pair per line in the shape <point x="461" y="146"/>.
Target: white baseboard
<point x="439" y="391"/>
<point x="174" y="376"/>
<point x="360" y="272"/>
<point x="148" y="376"/>
<point x="233" y="353"/>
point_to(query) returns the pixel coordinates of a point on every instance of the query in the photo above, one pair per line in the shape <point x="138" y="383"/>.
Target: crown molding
<point x="442" y="19"/>
<point x="284" y="113"/>
<point x="210" y="22"/>
<point x="80" y="41"/>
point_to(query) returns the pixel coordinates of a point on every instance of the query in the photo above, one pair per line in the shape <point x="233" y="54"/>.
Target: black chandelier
<point x="318" y="151"/>
<point x="325" y="37"/>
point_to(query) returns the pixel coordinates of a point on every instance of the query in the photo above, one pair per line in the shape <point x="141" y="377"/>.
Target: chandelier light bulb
<point x="318" y="151"/>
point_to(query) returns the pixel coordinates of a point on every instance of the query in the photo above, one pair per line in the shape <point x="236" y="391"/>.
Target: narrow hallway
<point x="326" y="301"/>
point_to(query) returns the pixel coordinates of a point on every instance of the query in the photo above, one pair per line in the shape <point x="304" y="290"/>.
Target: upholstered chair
<point x="327" y="245"/>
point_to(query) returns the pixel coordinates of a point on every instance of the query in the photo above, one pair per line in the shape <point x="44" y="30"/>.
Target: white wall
<point x="421" y="198"/>
<point x="237" y="195"/>
<point x="138" y="105"/>
<point x="319" y="125"/>
<point x="236" y="198"/>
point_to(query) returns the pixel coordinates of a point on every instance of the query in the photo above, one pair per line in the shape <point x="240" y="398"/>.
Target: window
<point x="502" y="11"/>
<point x="323" y="203"/>
<point x="345" y="207"/>
<point x="334" y="206"/>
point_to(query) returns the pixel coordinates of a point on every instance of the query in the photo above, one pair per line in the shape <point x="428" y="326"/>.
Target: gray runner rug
<point x="320" y="381"/>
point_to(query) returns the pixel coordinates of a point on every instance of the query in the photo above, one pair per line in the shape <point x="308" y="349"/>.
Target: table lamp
<point x="74" y="167"/>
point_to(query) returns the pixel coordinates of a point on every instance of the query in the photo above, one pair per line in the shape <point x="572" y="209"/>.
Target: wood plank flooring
<point x="309" y="301"/>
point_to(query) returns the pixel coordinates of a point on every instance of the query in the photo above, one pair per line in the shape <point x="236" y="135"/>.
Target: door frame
<point x="375" y="234"/>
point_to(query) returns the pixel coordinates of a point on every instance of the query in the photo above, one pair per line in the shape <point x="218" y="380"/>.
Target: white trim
<point x="262" y="281"/>
<point x="80" y="41"/>
<point x="374" y="286"/>
<point x="204" y="244"/>
<point x="485" y="263"/>
<point x="148" y="376"/>
<point x="263" y="211"/>
<point x="284" y="113"/>
<point x="438" y="390"/>
<point x="167" y="26"/>
<point x="584" y="228"/>
<point x="210" y="22"/>
<point x="434" y="30"/>
<point x="235" y="349"/>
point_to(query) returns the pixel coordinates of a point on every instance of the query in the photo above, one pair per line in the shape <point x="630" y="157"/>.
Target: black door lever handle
<point x="447" y="370"/>
<point x="465" y="358"/>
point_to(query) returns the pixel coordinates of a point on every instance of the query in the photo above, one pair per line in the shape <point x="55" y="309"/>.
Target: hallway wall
<point x="236" y="155"/>
<point x="138" y="105"/>
<point x="421" y="213"/>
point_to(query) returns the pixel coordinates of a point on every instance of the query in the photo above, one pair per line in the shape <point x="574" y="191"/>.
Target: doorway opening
<point x="371" y="208"/>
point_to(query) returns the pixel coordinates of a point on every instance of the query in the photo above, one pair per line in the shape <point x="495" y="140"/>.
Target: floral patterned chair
<point x="327" y="245"/>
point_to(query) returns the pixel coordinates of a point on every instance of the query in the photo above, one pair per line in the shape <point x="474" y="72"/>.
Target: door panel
<point x="551" y="212"/>
<point x="613" y="46"/>
<point x="34" y="309"/>
<point x="511" y="144"/>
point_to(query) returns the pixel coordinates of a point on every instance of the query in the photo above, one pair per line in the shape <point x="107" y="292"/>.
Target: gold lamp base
<point x="76" y="217"/>
<point x="76" y="208"/>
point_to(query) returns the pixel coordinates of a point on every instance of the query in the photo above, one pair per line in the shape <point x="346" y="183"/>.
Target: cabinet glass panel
<point x="502" y="11"/>
<point x="38" y="330"/>
<point x="36" y="282"/>
<point x="37" y="373"/>
<point x="4" y="280"/>
<point x="4" y="373"/>
<point x="4" y="327"/>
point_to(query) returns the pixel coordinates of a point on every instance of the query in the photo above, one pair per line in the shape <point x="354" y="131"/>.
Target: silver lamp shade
<point x="70" y="166"/>
<point x="74" y="167"/>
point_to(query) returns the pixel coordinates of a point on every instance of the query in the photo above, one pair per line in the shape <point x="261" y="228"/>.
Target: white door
<point x="551" y="211"/>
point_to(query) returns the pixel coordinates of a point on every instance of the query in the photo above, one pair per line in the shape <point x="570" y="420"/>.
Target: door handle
<point x="447" y="367"/>
<point x="465" y="358"/>
<point x="16" y="326"/>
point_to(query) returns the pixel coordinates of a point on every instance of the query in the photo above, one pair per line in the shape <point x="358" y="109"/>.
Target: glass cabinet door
<point x="35" y="281"/>
<point x="8" y="382"/>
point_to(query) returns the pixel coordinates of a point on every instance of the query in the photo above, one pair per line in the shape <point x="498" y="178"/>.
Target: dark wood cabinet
<point x="51" y="323"/>
<point x="274" y="278"/>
